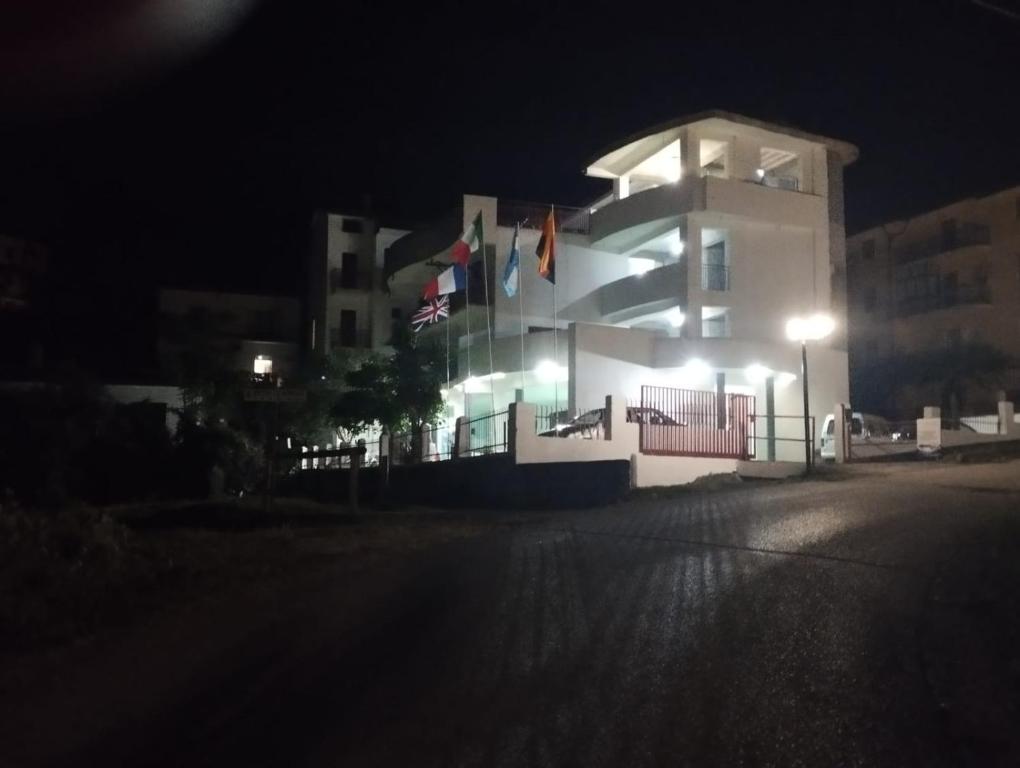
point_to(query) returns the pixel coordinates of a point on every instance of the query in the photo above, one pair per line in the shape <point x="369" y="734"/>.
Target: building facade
<point x="717" y="230"/>
<point x="347" y="306"/>
<point x="256" y="333"/>
<point x="935" y="292"/>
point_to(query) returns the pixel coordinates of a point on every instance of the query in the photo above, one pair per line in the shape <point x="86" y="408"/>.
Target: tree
<point x="400" y="392"/>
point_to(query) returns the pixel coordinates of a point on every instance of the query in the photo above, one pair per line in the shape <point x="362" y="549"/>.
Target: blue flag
<point x="512" y="271"/>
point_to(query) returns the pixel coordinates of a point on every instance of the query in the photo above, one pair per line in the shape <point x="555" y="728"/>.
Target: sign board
<point x="272" y="395"/>
<point x="929" y="435"/>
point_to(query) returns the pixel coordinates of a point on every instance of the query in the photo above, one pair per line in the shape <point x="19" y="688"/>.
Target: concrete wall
<point x="651" y="471"/>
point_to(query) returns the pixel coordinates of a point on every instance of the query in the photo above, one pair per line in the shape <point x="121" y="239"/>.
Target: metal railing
<point x="686" y="422"/>
<point x="947" y="297"/>
<point x="485" y="434"/>
<point x="437" y="443"/>
<point x="715" y="277"/>
<point x="781" y="181"/>
<point x="585" y="424"/>
<point x="966" y="234"/>
<point x="533" y="215"/>
<point x="779" y="438"/>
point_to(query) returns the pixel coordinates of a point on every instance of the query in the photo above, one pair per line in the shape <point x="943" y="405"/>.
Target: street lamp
<point x="805" y="329"/>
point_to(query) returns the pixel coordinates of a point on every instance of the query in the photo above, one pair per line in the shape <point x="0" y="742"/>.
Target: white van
<point x="857" y="430"/>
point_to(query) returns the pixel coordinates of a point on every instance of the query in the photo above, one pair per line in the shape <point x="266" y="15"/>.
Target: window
<point x="349" y="270"/>
<point x="263" y="366"/>
<point x="395" y="313"/>
<point x="348" y="328"/>
<point x="714" y="266"/>
<point x="715" y="322"/>
<point x="868" y="249"/>
<point x="353" y="226"/>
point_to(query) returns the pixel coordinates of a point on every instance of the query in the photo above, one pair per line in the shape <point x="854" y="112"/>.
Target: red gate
<point x="688" y="422"/>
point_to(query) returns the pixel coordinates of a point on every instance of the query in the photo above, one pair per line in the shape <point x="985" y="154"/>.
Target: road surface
<point x="864" y="621"/>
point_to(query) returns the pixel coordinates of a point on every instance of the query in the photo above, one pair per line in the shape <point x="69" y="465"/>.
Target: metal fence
<point x="533" y="216"/>
<point x="485" y="434"/>
<point x="580" y="423"/>
<point x="779" y="438"/>
<point x="715" y="277"/>
<point x="687" y="422"/>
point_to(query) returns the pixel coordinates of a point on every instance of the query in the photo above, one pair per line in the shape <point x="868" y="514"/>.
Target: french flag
<point x="448" y="281"/>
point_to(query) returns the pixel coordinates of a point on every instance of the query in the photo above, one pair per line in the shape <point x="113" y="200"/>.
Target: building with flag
<point x="714" y="230"/>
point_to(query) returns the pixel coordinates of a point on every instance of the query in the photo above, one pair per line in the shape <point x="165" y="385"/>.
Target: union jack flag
<point x="433" y="311"/>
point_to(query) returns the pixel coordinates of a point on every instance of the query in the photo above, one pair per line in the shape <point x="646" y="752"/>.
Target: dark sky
<point x="191" y="151"/>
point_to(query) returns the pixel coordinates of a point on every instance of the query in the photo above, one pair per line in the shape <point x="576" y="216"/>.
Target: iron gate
<point x="688" y="422"/>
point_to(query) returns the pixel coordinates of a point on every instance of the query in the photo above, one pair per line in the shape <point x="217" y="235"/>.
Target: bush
<point x="59" y="571"/>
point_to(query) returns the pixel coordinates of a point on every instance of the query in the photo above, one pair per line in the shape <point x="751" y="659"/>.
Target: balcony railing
<point x="959" y="296"/>
<point x="715" y="277"/>
<point x="965" y="235"/>
<point x="533" y="215"/>
<point x="362" y="339"/>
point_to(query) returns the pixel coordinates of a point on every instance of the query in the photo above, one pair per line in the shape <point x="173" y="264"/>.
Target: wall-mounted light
<point x="548" y="370"/>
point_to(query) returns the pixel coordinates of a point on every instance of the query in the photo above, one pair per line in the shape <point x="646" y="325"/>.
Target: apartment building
<point x="245" y="332"/>
<point x="714" y="231"/>
<point x="938" y="287"/>
<point x="347" y="306"/>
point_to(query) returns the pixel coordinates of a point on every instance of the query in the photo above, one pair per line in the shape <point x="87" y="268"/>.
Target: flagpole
<point x="467" y="320"/>
<point x="520" y="303"/>
<point x="488" y="316"/>
<point x="556" y="351"/>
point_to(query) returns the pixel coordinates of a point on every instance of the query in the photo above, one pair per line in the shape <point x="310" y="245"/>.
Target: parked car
<point x="589" y="425"/>
<point x="857" y="430"/>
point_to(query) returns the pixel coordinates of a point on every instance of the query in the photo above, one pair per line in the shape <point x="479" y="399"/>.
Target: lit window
<point x="263" y="365"/>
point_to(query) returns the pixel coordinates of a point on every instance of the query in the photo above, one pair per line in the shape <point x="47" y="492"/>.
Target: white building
<point x="718" y="229"/>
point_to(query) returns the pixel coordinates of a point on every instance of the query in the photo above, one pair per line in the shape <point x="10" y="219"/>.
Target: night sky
<point x="192" y="152"/>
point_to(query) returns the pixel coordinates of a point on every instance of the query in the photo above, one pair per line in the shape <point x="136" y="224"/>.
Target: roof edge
<point x="848" y="152"/>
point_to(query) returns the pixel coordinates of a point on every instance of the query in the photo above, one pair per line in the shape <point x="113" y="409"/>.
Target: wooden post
<point x="352" y="485"/>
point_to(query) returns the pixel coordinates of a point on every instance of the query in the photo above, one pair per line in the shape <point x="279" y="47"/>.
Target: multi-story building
<point x="240" y="331"/>
<point x="931" y="292"/>
<point x="347" y="306"/>
<point x="718" y="229"/>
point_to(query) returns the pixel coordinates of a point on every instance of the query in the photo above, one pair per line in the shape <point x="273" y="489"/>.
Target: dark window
<point x="949" y="234"/>
<point x="348" y="328"/>
<point x="351" y="225"/>
<point x="868" y="249"/>
<point x="395" y="313"/>
<point x="349" y="270"/>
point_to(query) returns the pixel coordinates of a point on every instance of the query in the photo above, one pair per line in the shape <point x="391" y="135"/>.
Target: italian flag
<point x="469" y="242"/>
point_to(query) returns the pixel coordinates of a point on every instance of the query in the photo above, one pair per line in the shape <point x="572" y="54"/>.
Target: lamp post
<point x="805" y="329"/>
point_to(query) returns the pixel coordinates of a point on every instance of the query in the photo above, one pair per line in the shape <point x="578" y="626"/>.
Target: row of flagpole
<point x="457" y="275"/>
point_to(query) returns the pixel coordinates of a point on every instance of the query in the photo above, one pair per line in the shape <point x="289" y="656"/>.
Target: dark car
<point x="589" y="425"/>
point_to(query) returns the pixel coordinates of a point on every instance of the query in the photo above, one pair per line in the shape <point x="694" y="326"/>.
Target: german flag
<point x="546" y="250"/>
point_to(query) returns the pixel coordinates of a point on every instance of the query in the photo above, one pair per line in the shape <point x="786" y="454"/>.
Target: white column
<point x="621" y="187"/>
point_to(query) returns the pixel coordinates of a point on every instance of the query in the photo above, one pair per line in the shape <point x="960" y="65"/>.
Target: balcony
<point x="360" y="339"/>
<point x="966" y="235"/>
<point x="715" y="277"/>
<point x="961" y="295"/>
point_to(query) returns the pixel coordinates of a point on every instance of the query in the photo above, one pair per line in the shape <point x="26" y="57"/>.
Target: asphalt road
<point x="867" y="621"/>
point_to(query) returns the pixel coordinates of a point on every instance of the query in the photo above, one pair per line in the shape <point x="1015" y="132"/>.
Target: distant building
<point x="936" y="283"/>
<point x="246" y="332"/>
